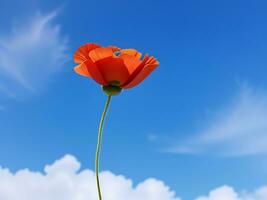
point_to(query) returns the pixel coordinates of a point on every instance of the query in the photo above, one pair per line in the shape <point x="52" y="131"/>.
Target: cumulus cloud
<point x="64" y="180"/>
<point x="237" y="130"/>
<point x="222" y="193"/>
<point x="228" y="193"/>
<point x="31" y="53"/>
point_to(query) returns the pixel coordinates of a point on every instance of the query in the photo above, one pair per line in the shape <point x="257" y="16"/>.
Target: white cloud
<point x="228" y="193"/>
<point x="237" y="130"/>
<point x="222" y="193"/>
<point x="64" y="180"/>
<point x="30" y="53"/>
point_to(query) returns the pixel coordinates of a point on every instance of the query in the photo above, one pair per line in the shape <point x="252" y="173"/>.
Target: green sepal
<point x="111" y="90"/>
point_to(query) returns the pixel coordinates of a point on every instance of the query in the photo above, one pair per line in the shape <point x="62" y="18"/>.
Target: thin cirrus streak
<point x="240" y="129"/>
<point x="23" y="51"/>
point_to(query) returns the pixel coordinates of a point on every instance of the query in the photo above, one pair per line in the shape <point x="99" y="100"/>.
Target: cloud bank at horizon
<point x="64" y="180"/>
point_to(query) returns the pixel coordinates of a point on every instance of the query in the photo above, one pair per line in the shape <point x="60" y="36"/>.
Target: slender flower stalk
<point x="98" y="148"/>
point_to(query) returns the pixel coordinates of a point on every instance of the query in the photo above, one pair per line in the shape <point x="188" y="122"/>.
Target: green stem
<point x="98" y="148"/>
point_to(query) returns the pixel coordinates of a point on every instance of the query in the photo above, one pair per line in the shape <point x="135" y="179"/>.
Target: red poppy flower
<point x="123" y="68"/>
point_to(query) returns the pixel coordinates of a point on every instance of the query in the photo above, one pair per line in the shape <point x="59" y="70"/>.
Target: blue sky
<point x="197" y="123"/>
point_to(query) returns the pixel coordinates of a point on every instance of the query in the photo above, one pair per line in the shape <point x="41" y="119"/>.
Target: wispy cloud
<point x="237" y="130"/>
<point x="31" y="53"/>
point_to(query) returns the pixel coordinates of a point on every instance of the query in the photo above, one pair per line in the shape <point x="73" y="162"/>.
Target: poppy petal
<point x="113" y="70"/>
<point x="148" y="68"/>
<point x="114" y="48"/>
<point x="101" y="53"/>
<point x="82" y="54"/>
<point x="130" y="62"/>
<point x="131" y="52"/>
<point x="94" y="72"/>
<point x="137" y="69"/>
<point x="81" y="69"/>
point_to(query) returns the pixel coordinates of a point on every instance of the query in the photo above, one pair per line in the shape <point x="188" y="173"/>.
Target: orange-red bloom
<point x="113" y="66"/>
